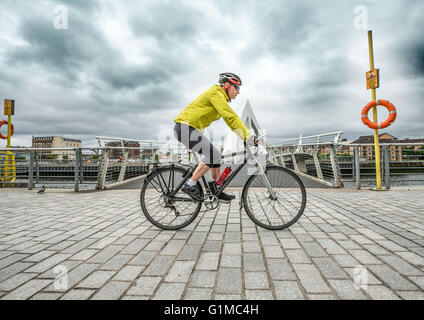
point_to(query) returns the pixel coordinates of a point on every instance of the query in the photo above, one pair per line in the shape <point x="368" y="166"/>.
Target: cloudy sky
<point x="87" y="68"/>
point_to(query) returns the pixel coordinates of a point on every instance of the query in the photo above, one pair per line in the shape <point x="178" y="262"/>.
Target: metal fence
<point x="322" y="158"/>
<point x="404" y="168"/>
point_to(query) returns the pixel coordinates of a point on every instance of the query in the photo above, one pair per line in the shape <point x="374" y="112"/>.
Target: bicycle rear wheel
<point x="159" y="209"/>
<point x="285" y="209"/>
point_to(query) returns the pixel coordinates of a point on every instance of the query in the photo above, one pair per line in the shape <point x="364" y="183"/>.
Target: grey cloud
<point x="167" y="21"/>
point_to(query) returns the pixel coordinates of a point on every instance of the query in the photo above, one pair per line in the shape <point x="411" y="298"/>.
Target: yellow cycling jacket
<point x="210" y="106"/>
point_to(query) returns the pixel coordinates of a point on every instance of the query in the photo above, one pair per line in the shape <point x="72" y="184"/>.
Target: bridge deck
<point x="348" y="245"/>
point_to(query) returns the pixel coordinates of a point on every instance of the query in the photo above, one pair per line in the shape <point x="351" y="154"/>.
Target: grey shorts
<point x="196" y="141"/>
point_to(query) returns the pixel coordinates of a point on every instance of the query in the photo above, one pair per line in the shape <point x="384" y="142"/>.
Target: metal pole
<point x="31" y="171"/>
<point x="77" y="167"/>
<point x="357" y="168"/>
<point x="374" y="112"/>
<point x="386" y="159"/>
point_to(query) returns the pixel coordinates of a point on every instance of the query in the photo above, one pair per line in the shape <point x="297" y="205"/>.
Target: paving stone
<point x="145" y="286"/>
<point x="169" y="291"/>
<point x="230" y="261"/>
<point x="364" y="257"/>
<point x="251" y="246"/>
<point x="232" y="249"/>
<point x="159" y="266"/>
<point x="259" y="295"/>
<point x="253" y="262"/>
<point x="381" y="293"/>
<point x="189" y="252"/>
<point x="310" y="278"/>
<point x="128" y="273"/>
<point x="314" y="249"/>
<point x="290" y="244"/>
<point x="14" y="269"/>
<point x="27" y="290"/>
<point x="297" y="256"/>
<point x="180" y="271"/>
<point x="391" y="278"/>
<point x="273" y="252"/>
<point x="111" y="290"/>
<point x="279" y="269"/>
<point x="96" y="279"/>
<point x="321" y="297"/>
<point x="227" y="297"/>
<point x="256" y="280"/>
<point x="143" y="258"/>
<point x="173" y="247"/>
<point x="331" y="246"/>
<point x="411" y="295"/>
<point x="417" y="280"/>
<point x="198" y="294"/>
<point x="46" y="296"/>
<point x="346" y="289"/>
<point x="229" y="281"/>
<point x="212" y="245"/>
<point x="208" y="261"/>
<point x="77" y="294"/>
<point x="16" y="280"/>
<point x="204" y="279"/>
<point x="401" y="266"/>
<point x="287" y="290"/>
<point x="116" y="262"/>
<point x="329" y="268"/>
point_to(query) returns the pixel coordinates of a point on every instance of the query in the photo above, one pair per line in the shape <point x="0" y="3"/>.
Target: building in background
<point x="117" y="153"/>
<point x="57" y="142"/>
<point x="396" y="152"/>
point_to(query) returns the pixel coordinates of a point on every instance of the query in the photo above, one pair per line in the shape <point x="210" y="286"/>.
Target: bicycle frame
<point x="250" y="155"/>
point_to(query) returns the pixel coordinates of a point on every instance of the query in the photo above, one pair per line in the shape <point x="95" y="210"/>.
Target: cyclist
<point x="210" y="106"/>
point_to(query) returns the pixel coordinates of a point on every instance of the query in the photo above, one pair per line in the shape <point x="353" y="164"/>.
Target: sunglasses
<point x="236" y="87"/>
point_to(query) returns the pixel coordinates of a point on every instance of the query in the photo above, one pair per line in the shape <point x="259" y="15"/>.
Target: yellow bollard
<point x="374" y="112"/>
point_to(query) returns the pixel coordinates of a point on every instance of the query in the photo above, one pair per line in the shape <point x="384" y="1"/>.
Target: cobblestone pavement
<point x="98" y="245"/>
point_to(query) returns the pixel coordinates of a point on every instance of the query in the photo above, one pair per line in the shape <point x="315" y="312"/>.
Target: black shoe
<point x="192" y="191"/>
<point x="226" y="196"/>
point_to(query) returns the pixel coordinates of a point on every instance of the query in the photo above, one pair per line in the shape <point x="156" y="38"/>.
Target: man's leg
<point x="215" y="173"/>
<point x="201" y="169"/>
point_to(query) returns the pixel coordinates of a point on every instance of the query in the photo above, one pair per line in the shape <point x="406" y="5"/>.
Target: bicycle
<point x="274" y="198"/>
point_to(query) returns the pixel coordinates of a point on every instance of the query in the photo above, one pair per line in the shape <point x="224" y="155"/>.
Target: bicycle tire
<point x="153" y="197"/>
<point x="291" y="198"/>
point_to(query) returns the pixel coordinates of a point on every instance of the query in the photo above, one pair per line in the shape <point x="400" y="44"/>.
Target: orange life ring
<point x="11" y="131"/>
<point x="390" y="107"/>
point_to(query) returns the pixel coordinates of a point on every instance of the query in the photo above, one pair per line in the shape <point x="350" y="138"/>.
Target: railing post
<point x="335" y="167"/>
<point x="294" y="162"/>
<point x="37" y="169"/>
<point x="357" y="168"/>
<point x="386" y="166"/>
<point x="123" y="163"/>
<point x="77" y="168"/>
<point x="317" y="165"/>
<point x="31" y="170"/>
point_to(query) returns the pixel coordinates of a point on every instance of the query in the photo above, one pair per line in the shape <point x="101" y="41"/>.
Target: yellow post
<point x="374" y="113"/>
<point x="9" y="129"/>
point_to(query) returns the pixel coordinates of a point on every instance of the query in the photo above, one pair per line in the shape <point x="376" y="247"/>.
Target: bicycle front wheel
<point x="159" y="208"/>
<point x="279" y="212"/>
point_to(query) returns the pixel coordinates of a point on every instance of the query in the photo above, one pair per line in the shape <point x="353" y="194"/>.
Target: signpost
<point x="8" y="173"/>
<point x="373" y="83"/>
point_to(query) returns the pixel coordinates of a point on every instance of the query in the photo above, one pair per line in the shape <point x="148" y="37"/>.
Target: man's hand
<point x="253" y="140"/>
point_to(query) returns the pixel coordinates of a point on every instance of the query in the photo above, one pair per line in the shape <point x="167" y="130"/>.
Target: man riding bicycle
<point x="210" y="106"/>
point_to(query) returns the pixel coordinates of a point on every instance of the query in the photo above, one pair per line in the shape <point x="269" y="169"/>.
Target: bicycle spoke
<point x="278" y="212"/>
<point x="167" y="213"/>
